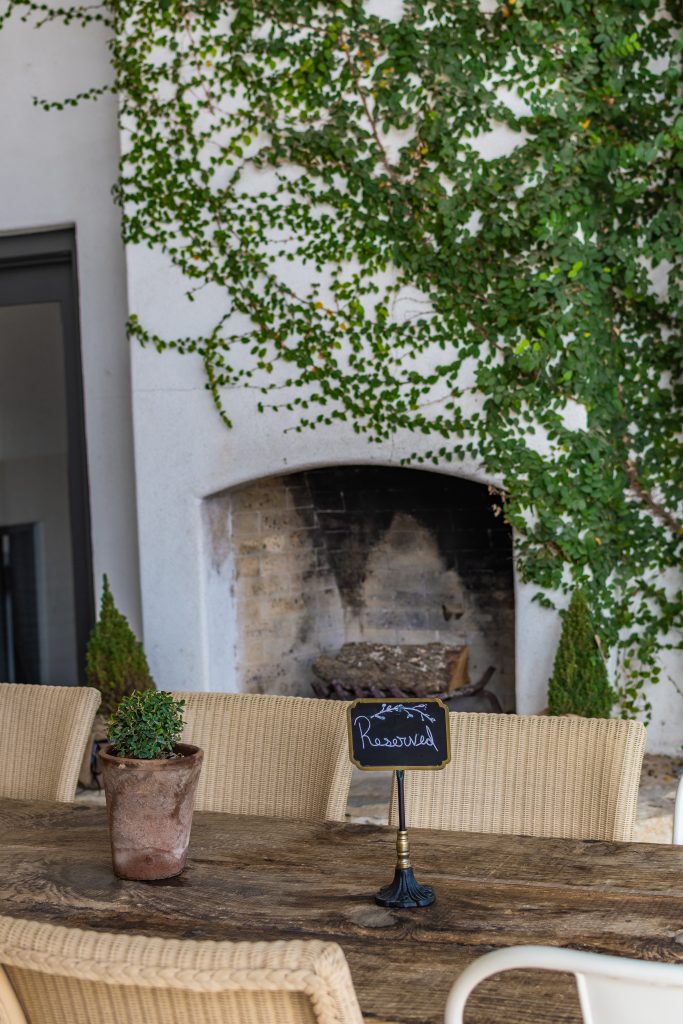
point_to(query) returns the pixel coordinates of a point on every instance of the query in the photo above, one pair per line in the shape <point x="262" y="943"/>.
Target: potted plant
<point x="150" y="781"/>
<point x="116" y="665"/>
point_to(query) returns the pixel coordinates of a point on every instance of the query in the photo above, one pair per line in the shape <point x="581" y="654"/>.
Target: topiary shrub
<point x="147" y="725"/>
<point x="579" y="683"/>
<point x="115" y="661"/>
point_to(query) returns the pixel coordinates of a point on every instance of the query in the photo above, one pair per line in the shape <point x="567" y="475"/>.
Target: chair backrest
<point x="612" y="989"/>
<point x="677" y="836"/>
<point x="55" y="975"/>
<point x="285" y="757"/>
<point x="43" y="733"/>
<point x="532" y="775"/>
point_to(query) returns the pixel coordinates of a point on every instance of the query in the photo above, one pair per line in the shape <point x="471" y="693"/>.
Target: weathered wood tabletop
<point x="258" y="878"/>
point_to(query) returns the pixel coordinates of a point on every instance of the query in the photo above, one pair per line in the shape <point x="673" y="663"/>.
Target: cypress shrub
<point x="579" y="683"/>
<point x="115" y="661"/>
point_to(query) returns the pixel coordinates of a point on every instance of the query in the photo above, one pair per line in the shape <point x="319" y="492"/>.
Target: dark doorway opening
<point x="19" y="632"/>
<point x="47" y="589"/>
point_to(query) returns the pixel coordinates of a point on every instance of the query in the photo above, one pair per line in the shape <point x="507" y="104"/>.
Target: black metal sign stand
<point x="405" y="891"/>
<point x="392" y="734"/>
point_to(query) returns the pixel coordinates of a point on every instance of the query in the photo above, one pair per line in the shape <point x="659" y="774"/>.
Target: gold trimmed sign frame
<point x="409" y="702"/>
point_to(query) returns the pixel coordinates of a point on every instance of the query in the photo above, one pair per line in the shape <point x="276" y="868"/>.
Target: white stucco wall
<point x="184" y="454"/>
<point x="56" y="170"/>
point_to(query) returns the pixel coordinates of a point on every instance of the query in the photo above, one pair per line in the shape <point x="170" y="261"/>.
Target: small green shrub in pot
<point x="147" y="724"/>
<point x="150" y="781"/>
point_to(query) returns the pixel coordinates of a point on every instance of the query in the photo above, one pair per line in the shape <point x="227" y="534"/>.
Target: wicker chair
<point x="677" y="836"/>
<point x="532" y="775"/>
<point x="55" y="975"/>
<point x="284" y="757"/>
<point x="611" y="989"/>
<point x="43" y="734"/>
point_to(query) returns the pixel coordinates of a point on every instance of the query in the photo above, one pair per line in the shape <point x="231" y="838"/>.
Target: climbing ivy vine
<point x="459" y="218"/>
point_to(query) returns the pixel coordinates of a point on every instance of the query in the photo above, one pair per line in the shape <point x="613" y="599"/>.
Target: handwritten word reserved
<point x="418" y="739"/>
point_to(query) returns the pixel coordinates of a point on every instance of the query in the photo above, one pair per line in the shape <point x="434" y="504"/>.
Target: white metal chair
<point x="677" y="836"/>
<point x="611" y="989"/>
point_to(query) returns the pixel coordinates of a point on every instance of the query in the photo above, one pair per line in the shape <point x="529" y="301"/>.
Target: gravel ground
<point x="658" y="782"/>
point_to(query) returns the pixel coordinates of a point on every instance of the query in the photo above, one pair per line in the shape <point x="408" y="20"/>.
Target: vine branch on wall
<point x="392" y="271"/>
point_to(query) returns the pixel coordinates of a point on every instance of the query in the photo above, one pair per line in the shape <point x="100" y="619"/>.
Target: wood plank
<point x="256" y="878"/>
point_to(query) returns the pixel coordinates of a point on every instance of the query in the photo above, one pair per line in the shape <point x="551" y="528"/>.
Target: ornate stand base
<point x="405" y="891"/>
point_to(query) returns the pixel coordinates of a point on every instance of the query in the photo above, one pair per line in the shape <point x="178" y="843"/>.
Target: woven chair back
<point x="285" y="757"/>
<point x="532" y="775"/>
<point x="43" y="734"/>
<point x="55" y="975"/>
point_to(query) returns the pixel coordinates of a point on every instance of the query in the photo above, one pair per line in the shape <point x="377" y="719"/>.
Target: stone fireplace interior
<point x="328" y="556"/>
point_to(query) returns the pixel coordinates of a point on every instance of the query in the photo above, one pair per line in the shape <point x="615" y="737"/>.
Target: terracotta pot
<point x="149" y="806"/>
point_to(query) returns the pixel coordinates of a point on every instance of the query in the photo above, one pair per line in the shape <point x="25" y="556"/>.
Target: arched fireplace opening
<point x="360" y="554"/>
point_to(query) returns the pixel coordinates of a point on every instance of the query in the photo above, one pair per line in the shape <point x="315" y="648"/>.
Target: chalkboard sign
<point x="390" y="735"/>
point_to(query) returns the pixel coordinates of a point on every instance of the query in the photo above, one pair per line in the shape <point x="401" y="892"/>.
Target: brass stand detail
<point x="405" y="891"/>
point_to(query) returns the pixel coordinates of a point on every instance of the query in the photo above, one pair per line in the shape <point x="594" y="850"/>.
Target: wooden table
<point x="258" y="878"/>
